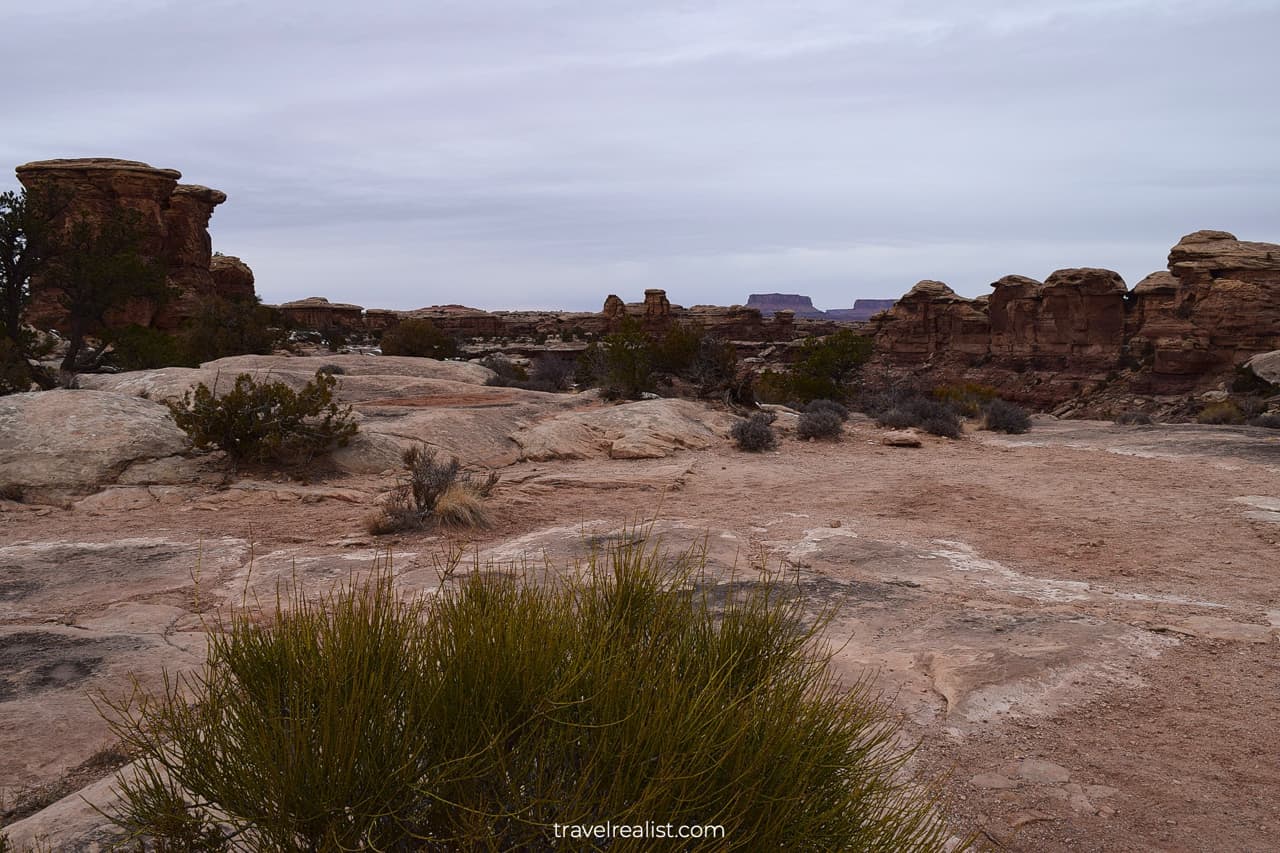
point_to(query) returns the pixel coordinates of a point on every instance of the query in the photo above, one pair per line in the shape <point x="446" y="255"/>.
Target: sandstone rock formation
<point x="1081" y="329"/>
<point x="650" y="429"/>
<point x="175" y="222"/>
<point x="75" y="441"/>
<point x="232" y="277"/>
<point x="398" y="402"/>
<point x="316" y="312"/>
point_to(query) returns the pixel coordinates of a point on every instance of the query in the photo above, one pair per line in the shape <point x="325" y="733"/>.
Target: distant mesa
<point x="862" y="310"/>
<point x="769" y="304"/>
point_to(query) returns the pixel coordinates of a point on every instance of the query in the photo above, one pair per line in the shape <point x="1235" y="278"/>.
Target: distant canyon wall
<point x="174" y="219"/>
<point x="1081" y="330"/>
<point x="655" y="314"/>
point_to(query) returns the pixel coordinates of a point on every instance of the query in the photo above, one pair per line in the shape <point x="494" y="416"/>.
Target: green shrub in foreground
<point x="268" y="421"/>
<point x="476" y="718"/>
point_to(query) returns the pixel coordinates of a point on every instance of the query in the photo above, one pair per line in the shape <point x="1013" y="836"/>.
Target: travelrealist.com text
<point x="648" y="829"/>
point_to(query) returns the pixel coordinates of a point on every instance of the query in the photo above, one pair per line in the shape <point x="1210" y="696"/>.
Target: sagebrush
<point x="432" y="492"/>
<point x="755" y="433"/>
<point x="1002" y="416"/>
<point x="479" y="716"/>
<point x="822" y="423"/>
<point x="899" y="408"/>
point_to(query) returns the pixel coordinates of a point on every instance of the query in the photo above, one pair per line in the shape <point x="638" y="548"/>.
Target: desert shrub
<point x="1002" y="416"/>
<point x="548" y="373"/>
<point x="715" y="370"/>
<point x="823" y="369"/>
<point x="1251" y="406"/>
<point x="226" y="327"/>
<point x="507" y="373"/>
<point x="969" y="398"/>
<point x="266" y="422"/>
<point x="1225" y="412"/>
<point x="621" y="364"/>
<point x="141" y="348"/>
<point x="1269" y="421"/>
<point x="432" y="491"/>
<point x="628" y="362"/>
<point x="331" y="369"/>
<point x="335" y="338"/>
<point x="1133" y="419"/>
<point x="677" y="349"/>
<point x="907" y="407"/>
<point x="822" y="423"/>
<point x="754" y="433"/>
<point x="946" y="425"/>
<point x="589" y="369"/>
<point x="418" y="338"/>
<point x="478" y="717"/>
<point x="15" y="370"/>
<point x="841" y="411"/>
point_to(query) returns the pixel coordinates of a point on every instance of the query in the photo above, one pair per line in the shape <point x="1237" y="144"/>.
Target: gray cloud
<point x="547" y="153"/>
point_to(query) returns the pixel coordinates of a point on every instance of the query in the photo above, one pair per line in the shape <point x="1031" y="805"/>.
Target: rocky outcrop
<point x="1081" y="329"/>
<point x="174" y="219"/>
<point x="933" y="318"/>
<point x="651" y="429"/>
<point x="316" y="312"/>
<point x="54" y="442"/>
<point x="232" y="278"/>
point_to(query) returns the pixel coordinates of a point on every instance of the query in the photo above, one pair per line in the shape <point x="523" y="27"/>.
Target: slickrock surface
<point x="1080" y="623"/>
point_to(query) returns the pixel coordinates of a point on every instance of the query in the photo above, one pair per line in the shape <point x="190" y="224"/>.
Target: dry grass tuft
<point x="461" y="505"/>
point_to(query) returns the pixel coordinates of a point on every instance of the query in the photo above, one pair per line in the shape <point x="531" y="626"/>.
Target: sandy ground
<point x="1079" y="625"/>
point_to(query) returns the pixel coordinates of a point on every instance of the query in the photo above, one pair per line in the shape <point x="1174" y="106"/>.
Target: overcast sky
<point x="545" y="154"/>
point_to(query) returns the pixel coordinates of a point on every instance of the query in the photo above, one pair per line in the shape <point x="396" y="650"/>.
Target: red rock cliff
<point x="175" y="221"/>
<point x="1081" y="329"/>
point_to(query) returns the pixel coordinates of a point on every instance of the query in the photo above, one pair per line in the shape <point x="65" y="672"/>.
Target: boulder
<point x="77" y="441"/>
<point x="901" y="438"/>
<point x="649" y="429"/>
<point x="1266" y="366"/>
